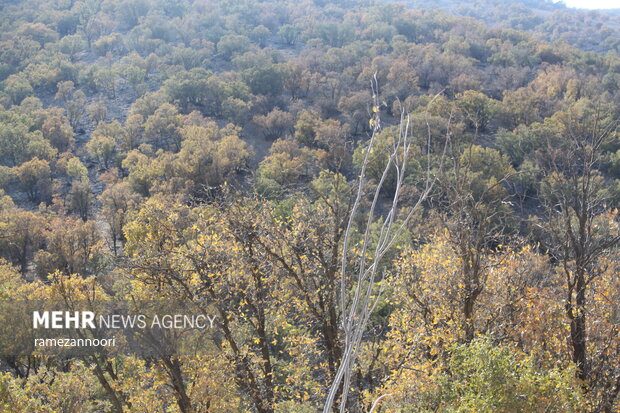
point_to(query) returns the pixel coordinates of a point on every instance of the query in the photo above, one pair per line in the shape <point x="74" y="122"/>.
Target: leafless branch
<point x="359" y="294"/>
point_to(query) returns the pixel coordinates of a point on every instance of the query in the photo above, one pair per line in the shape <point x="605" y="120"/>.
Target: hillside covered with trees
<point x="405" y="207"/>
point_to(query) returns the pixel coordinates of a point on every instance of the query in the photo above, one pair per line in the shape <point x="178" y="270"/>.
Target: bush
<point x="490" y="378"/>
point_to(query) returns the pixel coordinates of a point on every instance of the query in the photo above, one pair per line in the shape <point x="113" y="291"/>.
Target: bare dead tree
<point x="359" y="292"/>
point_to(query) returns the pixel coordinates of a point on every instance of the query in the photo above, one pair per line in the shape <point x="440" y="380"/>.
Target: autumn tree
<point x="580" y="232"/>
<point x="76" y="108"/>
<point x="276" y="124"/>
<point x="477" y="108"/>
<point x="232" y="44"/>
<point x="479" y="218"/>
<point x="18" y="144"/>
<point x="117" y="201"/>
<point x="304" y="247"/>
<point x="97" y="111"/>
<point x="58" y="131"/>
<point x="238" y="285"/>
<point x="23" y="234"/>
<point x="211" y="156"/>
<point x="102" y="148"/>
<point x="289" y="33"/>
<point x="35" y="178"/>
<point x="80" y="197"/>
<point x="73" y="247"/>
<point x="286" y="166"/>
<point x="162" y="128"/>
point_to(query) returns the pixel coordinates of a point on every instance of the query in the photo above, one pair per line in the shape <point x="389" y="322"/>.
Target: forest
<point x="388" y="207"/>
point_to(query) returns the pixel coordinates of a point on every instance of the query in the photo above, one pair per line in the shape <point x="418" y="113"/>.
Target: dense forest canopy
<point x="212" y="150"/>
<point x="551" y="21"/>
